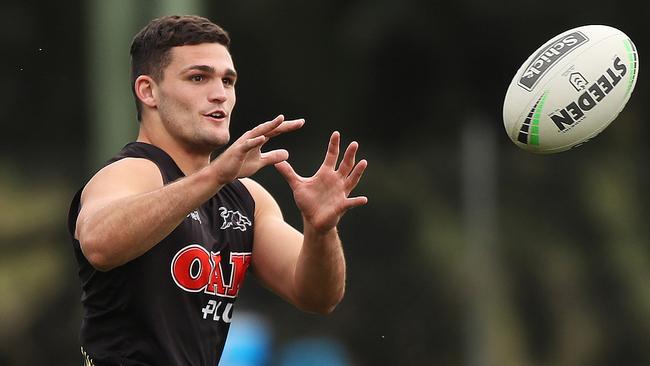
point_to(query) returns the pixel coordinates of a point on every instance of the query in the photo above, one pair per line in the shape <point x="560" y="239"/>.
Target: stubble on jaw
<point x="189" y="129"/>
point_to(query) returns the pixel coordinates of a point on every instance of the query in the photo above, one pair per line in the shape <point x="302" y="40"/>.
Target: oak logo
<point x="194" y="269"/>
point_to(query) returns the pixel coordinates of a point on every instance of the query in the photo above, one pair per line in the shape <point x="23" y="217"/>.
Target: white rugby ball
<point x="570" y="89"/>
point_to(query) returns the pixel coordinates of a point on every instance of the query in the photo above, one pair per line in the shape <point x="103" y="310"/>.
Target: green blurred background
<point x="471" y="251"/>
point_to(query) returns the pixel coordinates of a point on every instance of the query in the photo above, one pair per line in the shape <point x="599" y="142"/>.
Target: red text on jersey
<point x="195" y="269"/>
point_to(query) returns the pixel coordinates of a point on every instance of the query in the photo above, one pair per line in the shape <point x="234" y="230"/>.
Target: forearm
<point x="126" y="228"/>
<point x="320" y="271"/>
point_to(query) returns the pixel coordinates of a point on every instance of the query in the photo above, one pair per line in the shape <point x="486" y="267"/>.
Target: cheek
<point x="173" y="109"/>
<point x="178" y="102"/>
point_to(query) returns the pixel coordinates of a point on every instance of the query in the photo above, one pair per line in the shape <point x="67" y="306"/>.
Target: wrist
<point x="319" y="232"/>
<point x="213" y="174"/>
<point x="208" y="180"/>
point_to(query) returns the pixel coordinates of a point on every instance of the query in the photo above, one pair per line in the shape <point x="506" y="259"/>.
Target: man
<point x="163" y="236"/>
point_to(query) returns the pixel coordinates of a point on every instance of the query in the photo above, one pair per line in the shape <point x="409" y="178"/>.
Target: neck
<point x="188" y="160"/>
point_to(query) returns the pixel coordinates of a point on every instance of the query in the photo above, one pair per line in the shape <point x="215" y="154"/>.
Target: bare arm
<point x="307" y="270"/>
<point x="126" y="210"/>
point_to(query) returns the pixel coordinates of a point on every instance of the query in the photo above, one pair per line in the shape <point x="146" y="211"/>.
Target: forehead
<point x="209" y="54"/>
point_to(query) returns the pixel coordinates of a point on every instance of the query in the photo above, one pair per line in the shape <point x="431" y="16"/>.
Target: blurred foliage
<point x="35" y="268"/>
<point x="565" y="281"/>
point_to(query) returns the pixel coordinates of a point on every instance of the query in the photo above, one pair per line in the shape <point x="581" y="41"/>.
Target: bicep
<point x="124" y="178"/>
<point x="276" y="245"/>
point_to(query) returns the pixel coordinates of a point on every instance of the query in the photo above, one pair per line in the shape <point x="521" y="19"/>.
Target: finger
<point x="274" y="157"/>
<point x="288" y="173"/>
<point x="332" y="154"/>
<point x="286" y="126"/>
<point x="355" y="202"/>
<point x="253" y="143"/>
<point x="266" y="127"/>
<point x="348" y="159"/>
<point x="354" y="177"/>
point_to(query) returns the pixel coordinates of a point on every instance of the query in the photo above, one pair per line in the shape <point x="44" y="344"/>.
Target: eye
<point x="197" y="78"/>
<point x="228" y="81"/>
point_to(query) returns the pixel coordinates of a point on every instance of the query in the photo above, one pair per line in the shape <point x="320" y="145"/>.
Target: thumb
<point x="287" y="172"/>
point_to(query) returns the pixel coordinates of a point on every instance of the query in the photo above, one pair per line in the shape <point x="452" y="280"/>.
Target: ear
<point x="145" y="89"/>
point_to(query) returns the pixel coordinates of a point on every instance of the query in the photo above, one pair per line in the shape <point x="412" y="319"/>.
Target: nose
<point x="218" y="92"/>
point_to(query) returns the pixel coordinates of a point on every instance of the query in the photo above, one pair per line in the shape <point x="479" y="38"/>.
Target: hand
<point x="244" y="157"/>
<point x="324" y="197"/>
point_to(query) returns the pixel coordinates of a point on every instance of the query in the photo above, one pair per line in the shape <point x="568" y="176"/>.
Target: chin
<point x="219" y="137"/>
<point x="207" y="144"/>
<point x="214" y="139"/>
<point x="223" y="140"/>
<point x="219" y="142"/>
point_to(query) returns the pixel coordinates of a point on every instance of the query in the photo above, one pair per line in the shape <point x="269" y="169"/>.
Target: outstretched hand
<point x="324" y="197"/>
<point x="245" y="157"/>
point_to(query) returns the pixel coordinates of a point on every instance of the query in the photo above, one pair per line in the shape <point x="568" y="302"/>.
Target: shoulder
<point x="123" y="177"/>
<point x="264" y="201"/>
<point x="253" y="187"/>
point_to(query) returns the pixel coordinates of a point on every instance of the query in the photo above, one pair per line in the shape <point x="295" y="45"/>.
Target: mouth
<point x="218" y="115"/>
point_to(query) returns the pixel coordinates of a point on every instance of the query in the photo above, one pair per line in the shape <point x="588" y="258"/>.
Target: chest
<point x="208" y="252"/>
<point x="218" y="225"/>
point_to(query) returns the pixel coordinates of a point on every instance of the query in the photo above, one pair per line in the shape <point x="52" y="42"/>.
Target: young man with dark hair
<point x="164" y="237"/>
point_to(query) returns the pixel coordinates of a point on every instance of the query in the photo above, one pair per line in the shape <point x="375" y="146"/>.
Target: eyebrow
<point x="209" y="69"/>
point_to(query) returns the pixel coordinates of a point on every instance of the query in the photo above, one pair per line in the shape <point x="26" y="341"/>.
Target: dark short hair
<point x="150" y="49"/>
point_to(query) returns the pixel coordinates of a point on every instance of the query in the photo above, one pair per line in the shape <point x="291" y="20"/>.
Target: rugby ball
<point x="570" y="89"/>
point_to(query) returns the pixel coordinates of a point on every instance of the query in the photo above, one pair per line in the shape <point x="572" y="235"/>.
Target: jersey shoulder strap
<point x="168" y="168"/>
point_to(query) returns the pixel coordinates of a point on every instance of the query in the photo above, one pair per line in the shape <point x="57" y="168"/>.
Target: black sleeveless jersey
<point x="172" y="305"/>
